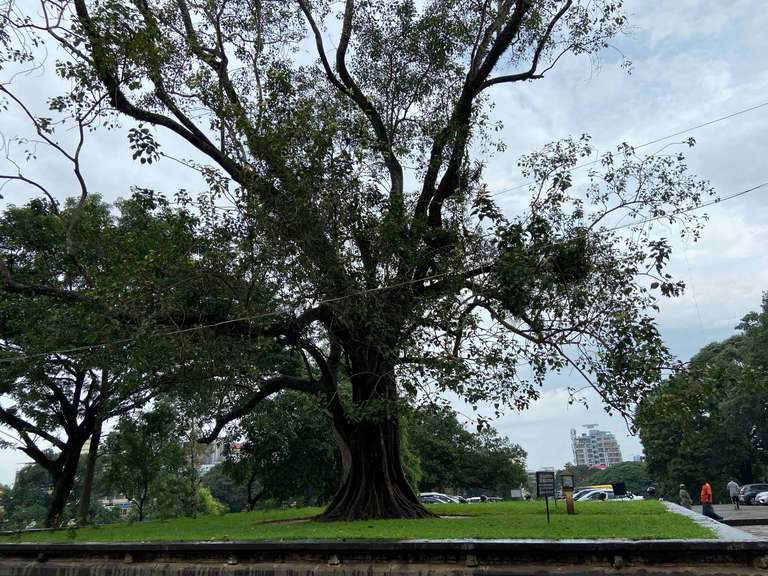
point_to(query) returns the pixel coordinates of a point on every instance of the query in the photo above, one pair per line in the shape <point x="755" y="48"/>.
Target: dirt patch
<point x="311" y="518"/>
<point x="288" y="521"/>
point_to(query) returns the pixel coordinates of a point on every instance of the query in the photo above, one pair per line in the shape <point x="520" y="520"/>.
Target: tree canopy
<point x="711" y="422"/>
<point x="359" y="241"/>
<point x="455" y="460"/>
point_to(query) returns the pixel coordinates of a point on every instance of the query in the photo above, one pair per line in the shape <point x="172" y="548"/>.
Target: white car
<point x="607" y="495"/>
<point x="761" y="498"/>
<point x="438" y="498"/>
<point x="595" y="494"/>
<point x="581" y="491"/>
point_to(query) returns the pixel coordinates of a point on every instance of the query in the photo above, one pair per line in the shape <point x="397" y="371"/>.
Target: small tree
<point x="225" y="489"/>
<point x="142" y="453"/>
<point x="456" y="460"/>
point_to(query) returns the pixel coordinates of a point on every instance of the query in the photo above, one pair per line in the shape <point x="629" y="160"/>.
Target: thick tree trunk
<point x="84" y="507"/>
<point x="374" y="483"/>
<point x="63" y="483"/>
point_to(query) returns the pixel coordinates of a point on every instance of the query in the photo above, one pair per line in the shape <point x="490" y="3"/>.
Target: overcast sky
<point x="693" y="61"/>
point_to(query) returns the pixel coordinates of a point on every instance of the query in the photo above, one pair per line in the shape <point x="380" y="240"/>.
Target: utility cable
<point x="355" y="293"/>
<point x="650" y="143"/>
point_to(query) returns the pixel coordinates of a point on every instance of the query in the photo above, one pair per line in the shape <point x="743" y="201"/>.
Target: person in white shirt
<point x="733" y="492"/>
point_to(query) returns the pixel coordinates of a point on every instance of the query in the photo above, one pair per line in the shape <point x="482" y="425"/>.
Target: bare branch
<point x="531" y="73"/>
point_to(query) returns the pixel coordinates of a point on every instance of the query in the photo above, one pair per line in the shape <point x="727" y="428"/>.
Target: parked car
<point x="578" y="492"/>
<point x="595" y="494"/>
<point x="478" y="499"/>
<point x="438" y="498"/>
<point x="603" y="494"/>
<point x="749" y="491"/>
<point x="431" y="500"/>
<point x="762" y="498"/>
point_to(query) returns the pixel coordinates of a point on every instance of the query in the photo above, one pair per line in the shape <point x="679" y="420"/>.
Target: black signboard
<point x="545" y="484"/>
<point x="619" y="489"/>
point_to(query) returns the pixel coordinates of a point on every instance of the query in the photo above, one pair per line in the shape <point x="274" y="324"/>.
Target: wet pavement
<point x="750" y="519"/>
<point x="722" y="531"/>
<point x="760" y="532"/>
<point x="727" y="511"/>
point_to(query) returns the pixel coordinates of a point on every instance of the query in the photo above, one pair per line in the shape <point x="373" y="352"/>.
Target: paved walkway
<point x="744" y="512"/>
<point x="756" y="514"/>
<point x="722" y="531"/>
<point x="760" y="532"/>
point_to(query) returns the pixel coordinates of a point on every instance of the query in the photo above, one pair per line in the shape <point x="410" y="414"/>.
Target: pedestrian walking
<point x="705" y="497"/>
<point x="733" y="492"/>
<point x="685" y="499"/>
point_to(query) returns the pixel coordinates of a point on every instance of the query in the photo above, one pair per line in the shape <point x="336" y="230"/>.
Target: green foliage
<point x="59" y="397"/>
<point x="175" y="495"/>
<point x="145" y="462"/>
<point x="409" y="454"/>
<point x="288" y="452"/>
<point x="456" y="461"/>
<point x="711" y="422"/>
<point x="633" y="474"/>
<point x="28" y="499"/>
<point x="225" y="489"/>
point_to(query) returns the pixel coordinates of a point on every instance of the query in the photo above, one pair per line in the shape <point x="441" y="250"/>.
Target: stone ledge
<point x="451" y="555"/>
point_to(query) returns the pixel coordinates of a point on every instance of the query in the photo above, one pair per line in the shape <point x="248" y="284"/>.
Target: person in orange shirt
<point x="706" y="502"/>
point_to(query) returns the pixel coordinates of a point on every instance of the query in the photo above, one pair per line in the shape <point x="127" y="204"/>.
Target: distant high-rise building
<point x="595" y="447"/>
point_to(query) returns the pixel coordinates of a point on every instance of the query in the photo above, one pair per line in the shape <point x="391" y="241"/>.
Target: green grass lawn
<point x="630" y="520"/>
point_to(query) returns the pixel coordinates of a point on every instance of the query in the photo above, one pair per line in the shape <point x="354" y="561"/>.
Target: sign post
<point x="545" y="486"/>
<point x="567" y="480"/>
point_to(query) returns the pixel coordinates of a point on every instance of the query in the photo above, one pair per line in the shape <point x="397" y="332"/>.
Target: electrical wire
<point x="650" y="143"/>
<point x="691" y="209"/>
<point x="356" y="293"/>
<point x="221" y="323"/>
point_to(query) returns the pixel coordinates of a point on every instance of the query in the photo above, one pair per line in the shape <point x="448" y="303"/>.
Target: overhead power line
<point x="650" y="142"/>
<point x="221" y="323"/>
<point x="356" y="293"/>
<point x="719" y="200"/>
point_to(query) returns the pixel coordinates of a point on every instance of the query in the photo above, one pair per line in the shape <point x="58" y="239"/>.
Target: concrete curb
<point x="388" y="558"/>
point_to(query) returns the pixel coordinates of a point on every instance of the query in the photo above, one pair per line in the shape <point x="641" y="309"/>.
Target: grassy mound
<point x="630" y="520"/>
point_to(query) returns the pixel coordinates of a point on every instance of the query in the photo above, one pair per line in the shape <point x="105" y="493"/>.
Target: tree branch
<point x="10" y="285"/>
<point x="531" y="73"/>
<point x="267" y="388"/>
<point x="108" y="77"/>
<point x="23" y="427"/>
<point x="431" y="199"/>
<point x="346" y="85"/>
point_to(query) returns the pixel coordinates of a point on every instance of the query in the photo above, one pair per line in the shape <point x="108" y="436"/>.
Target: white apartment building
<point x="595" y="447"/>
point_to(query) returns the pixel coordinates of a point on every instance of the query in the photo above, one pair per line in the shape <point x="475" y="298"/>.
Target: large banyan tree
<point x="346" y="226"/>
